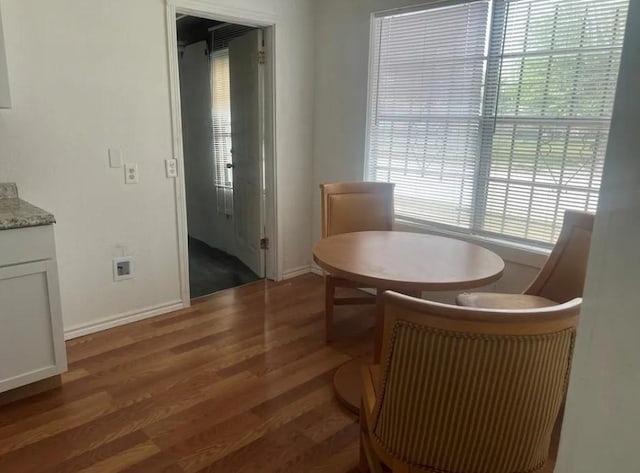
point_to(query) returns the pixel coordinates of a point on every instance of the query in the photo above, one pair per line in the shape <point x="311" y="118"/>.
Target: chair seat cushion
<point x="494" y="300"/>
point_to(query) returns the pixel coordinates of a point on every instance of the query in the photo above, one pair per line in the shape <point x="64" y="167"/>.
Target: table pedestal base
<point x="347" y="384"/>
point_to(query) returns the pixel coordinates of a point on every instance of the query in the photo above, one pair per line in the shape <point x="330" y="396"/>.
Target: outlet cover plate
<point x="171" y="166"/>
<point x="131" y="173"/>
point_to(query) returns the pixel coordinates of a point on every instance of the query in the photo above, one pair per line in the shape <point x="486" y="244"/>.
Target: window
<point x="493" y="116"/>
<point x="221" y="118"/>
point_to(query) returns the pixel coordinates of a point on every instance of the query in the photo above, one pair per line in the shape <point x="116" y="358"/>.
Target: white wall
<point x="204" y="221"/>
<point x="85" y="76"/>
<point x="601" y="428"/>
<point x="294" y="132"/>
<point x="89" y="75"/>
<point x="5" y="97"/>
<point x="340" y="107"/>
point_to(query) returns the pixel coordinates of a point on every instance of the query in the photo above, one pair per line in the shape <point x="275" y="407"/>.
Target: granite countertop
<point x="17" y="213"/>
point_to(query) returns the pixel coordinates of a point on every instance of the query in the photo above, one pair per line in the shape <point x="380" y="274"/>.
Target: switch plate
<point x="171" y="166"/>
<point x="131" y="173"/>
<point x="115" y="158"/>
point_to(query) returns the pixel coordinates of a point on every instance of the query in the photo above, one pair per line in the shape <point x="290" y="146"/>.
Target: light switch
<point x="115" y="158"/>
<point x="130" y="173"/>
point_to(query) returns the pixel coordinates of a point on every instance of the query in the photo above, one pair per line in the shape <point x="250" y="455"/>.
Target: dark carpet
<point x="212" y="270"/>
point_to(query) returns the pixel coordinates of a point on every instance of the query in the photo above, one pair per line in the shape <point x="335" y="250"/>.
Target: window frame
<point x="488" y="118"/>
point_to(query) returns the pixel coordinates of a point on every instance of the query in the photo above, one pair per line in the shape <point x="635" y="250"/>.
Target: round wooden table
<point x="405" y="262"/>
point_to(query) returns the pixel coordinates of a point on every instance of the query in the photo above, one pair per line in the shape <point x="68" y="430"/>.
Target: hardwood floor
<point x="239" y="382"/>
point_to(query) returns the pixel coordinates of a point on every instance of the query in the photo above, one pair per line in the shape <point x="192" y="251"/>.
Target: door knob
<point x="230" y="166"/>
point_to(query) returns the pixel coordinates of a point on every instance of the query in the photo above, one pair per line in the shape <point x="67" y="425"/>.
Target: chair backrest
<point x="356" y="207"/>
<point x="471" y="390"/>
<point x="562" y="276"/>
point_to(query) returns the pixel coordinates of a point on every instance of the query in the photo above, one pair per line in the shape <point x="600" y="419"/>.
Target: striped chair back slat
<point x="464" y="402"/>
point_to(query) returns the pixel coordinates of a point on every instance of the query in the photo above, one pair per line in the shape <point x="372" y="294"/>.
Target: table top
<point x="407" y="261"/>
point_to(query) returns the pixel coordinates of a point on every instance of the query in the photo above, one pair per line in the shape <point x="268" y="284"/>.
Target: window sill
<point x="509" y="251"/>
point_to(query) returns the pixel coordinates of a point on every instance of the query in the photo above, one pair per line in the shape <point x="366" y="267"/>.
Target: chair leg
<point x="368" y="463"/>
<point x="329" y="294"/>
<point x="363" y="465"/>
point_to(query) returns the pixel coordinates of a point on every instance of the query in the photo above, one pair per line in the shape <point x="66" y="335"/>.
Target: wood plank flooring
<point x="239" y="382"/>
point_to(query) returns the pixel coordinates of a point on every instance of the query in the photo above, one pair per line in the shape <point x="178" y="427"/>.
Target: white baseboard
<point x="120" y="319"/>
<point x="315" y="269"/>
<point x="292" y="273"/>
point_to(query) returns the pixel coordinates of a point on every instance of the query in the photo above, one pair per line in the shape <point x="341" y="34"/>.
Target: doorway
<point x="221" y="80"/>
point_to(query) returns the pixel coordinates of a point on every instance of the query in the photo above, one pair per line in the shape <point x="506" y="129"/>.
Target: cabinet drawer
<point x="20" y="245"/>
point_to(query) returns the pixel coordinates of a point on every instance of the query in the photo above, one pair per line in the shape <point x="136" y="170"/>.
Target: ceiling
<point x="192" y="29"/>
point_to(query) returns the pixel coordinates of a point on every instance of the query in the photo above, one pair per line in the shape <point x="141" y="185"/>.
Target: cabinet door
<point x="31" y="339"/>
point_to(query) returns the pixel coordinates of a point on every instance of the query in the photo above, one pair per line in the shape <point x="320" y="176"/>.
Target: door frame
<point x="213" y="11"/>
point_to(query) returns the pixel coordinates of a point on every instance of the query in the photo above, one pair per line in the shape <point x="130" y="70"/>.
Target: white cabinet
<point x="5" y="98"/>
<point x="31" y="337"/>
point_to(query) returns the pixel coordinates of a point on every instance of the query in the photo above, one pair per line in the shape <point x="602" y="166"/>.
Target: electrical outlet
<point x="171" y="166"/>
<point x="122" y="268"/>
<point x="131" y="173"/>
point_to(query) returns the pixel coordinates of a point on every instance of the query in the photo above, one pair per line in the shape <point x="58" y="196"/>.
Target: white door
<point x="245" y="74"/>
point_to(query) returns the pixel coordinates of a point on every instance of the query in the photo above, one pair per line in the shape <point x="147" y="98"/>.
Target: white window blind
<point x="221" y="117"/>
<point x="492" y="116"/>
<point x="426" y="99"/>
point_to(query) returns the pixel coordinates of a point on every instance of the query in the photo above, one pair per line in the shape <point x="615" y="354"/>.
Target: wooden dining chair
<point x="352" y="207"/>
<point x="465" y="390"/>
<point x="560" y="279"/>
